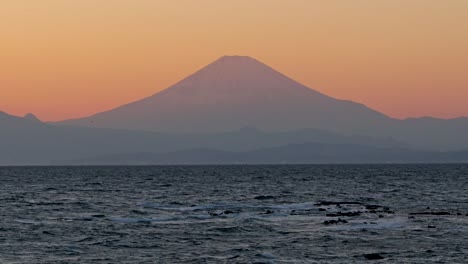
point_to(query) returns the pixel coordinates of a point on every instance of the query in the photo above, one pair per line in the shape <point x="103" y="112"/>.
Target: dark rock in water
<point x="227" y="229"/>
<point x="48" y="233"/>
<point x="322" y="209"/>
<point x="264" y="197"/>
<point x="431" y="213"/>
<point x="228" y="212"/>
<point x="344" y="214"/>
<point x="98" y="215"/>
<point x="139" y="212"/>
<point x="334" y="222"/>
<point x="431" y="226"/>
<point x="373" y="256"/>
<point x="373" y="207"/>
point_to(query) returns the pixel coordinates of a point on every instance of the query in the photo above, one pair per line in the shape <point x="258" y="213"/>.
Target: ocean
<point x="235" y="214"/>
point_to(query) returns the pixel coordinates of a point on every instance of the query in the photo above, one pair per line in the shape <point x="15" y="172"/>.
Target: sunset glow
<point x="64" y="59"/>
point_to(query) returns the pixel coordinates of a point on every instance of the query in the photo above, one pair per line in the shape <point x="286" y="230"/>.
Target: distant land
<point x="236" y="110"/>
<point x="307" y="153"/>
<point x="239" y="91"/>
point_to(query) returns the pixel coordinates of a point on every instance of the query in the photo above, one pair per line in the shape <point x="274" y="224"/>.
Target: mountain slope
<point x="235" y="92"/>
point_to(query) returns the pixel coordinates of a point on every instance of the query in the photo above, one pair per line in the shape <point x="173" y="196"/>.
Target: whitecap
<point x="26" y="221"/>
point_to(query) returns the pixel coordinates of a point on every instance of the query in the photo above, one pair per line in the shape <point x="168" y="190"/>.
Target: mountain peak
<point x="31" y="117"/>
<point x="232" y="92"/>
<point x="236" y="58"/>
<point x="236" y="61"/>
<point x="236" y="80"/>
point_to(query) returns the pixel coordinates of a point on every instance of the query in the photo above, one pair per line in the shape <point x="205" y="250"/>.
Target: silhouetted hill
<point x="32" y="117"/>
<point x="29" y="141"/>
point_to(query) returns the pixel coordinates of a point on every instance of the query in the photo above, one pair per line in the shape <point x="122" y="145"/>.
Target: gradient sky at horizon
<point x="70" y="58"/>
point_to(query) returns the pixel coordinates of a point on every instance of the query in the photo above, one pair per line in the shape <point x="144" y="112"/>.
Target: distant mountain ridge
<point x="28" y="141"/>
<point x="307" y="153"/>
<point x="239" y="91"/>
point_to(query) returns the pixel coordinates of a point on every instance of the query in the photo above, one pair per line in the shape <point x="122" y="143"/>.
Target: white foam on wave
<point x="294" y="206"/>
<point x="172" y="219"/>
<point x="390" y="223"/>
<point x="26" y="221"/>
<point x="193" y="208"/>
<point x="226" y="205"/>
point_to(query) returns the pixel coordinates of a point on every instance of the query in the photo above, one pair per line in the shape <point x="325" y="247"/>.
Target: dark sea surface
<point x="235" y="214"/>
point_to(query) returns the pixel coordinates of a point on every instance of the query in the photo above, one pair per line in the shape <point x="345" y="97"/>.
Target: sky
<point x="63" y="59"/>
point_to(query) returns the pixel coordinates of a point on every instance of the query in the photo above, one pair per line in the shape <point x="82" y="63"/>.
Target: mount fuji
<point x="238" y="91"/>
<point x="235" y="92"/>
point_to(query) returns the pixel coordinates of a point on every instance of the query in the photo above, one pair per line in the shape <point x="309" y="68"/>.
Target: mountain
<point x="32" y="117"/>
<point x="307" y="153"/>
<point x="15" y="123"/>
<point x="28" y="141"/>
<point x="238" y="91"/>
<point x="235" y="92"/>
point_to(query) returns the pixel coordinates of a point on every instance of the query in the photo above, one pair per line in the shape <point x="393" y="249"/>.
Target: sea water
<point x="234" y="214"/>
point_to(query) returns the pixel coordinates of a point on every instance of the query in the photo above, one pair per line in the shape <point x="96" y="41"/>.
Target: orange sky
<point x="70" y="58"/>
